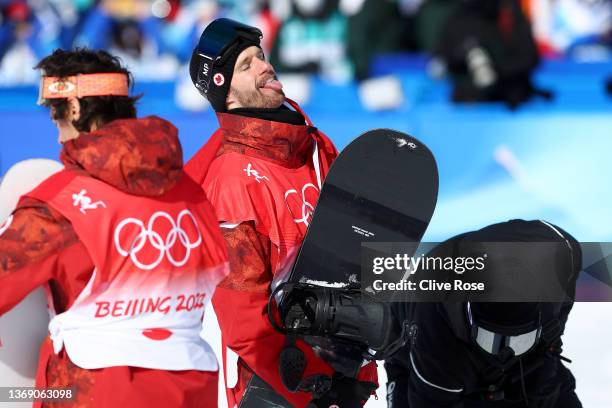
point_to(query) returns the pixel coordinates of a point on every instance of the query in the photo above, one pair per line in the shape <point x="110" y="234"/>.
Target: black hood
<point x="561" y="268"/>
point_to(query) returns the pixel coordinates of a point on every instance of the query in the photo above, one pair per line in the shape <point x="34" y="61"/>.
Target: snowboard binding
<point x="358" y="323"/>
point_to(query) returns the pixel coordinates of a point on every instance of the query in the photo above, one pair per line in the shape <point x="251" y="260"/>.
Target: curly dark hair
<point x="94" y="109"/>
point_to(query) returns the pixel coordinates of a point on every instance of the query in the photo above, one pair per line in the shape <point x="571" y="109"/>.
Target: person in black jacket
<point x="488" y="354"/>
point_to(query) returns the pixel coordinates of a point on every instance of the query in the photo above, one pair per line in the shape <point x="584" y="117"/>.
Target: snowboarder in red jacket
<point x="126" y="244"/>
<point x="262" y="170"/>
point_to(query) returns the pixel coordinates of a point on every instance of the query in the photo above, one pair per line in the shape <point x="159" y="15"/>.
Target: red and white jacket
<point x="263" y="179"/>
<point x="129" y="249"/>
<point x="157" y="263"/>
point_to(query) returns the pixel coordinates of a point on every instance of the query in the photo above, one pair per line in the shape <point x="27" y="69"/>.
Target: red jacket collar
<point x="282" y="143"/>
<point x="198" y="166"/>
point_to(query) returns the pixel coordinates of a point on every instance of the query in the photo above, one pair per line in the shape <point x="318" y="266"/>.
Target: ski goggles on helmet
<point x="79" y="86"/>
<point x="494" y="338"/>
<point x="215" y="42"/>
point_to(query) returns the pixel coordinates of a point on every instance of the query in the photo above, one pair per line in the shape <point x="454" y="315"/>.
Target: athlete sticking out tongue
<point x="262" y="170"/>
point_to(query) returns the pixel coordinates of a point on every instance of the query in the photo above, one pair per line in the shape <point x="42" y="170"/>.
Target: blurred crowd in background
<point x="336" y="39"/>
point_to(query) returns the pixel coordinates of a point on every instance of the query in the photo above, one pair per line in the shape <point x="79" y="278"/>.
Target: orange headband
<point x="81" y="85"/>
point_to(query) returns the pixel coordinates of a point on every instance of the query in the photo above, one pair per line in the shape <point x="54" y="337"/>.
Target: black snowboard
<point x="383" y="187"/>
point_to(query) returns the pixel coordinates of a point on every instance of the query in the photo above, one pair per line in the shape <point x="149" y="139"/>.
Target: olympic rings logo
<point x="147" y="234"/>
<point x="307" y="207"/>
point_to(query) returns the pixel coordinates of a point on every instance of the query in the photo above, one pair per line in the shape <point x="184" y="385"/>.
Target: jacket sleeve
<point x="31" y="240"/>
<point x="241" y="306"/>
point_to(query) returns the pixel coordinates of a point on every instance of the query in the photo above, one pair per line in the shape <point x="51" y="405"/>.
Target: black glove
<point x="345" y="392"/>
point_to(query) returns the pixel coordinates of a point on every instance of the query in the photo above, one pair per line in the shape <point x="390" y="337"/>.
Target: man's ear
<point x="74" y="109"/>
